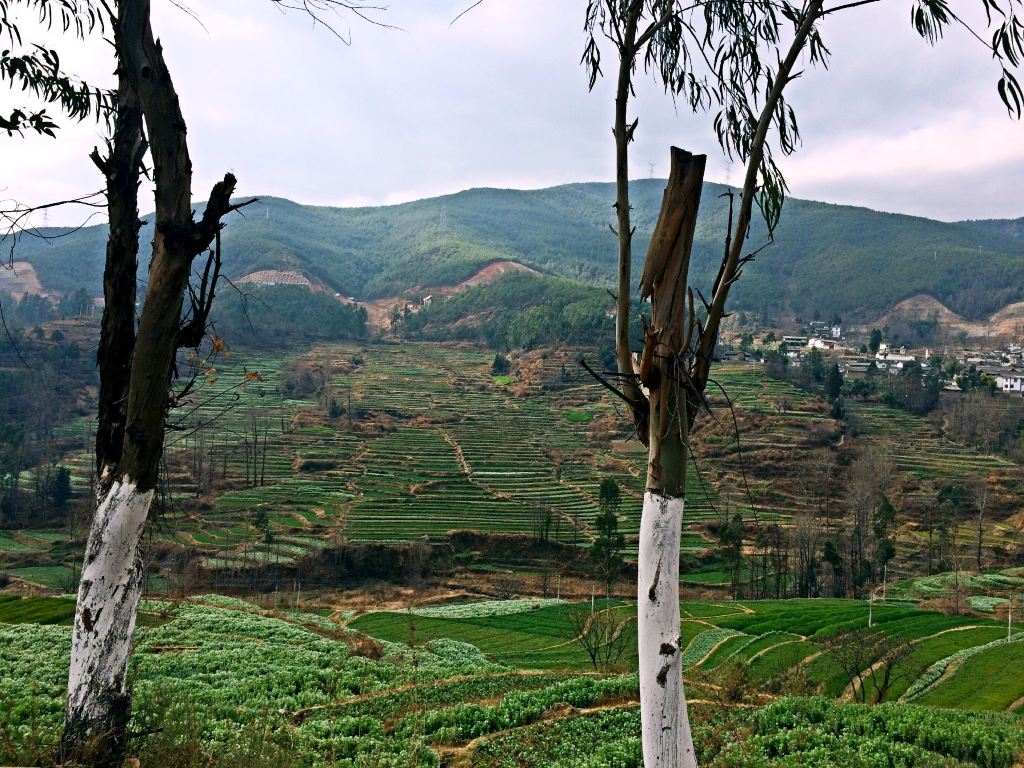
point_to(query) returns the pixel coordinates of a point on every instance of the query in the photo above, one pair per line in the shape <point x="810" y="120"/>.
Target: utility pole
<point x="871" y="605"/>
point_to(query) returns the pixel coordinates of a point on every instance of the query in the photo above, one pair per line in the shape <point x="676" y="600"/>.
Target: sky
<point x="499" y="99"/>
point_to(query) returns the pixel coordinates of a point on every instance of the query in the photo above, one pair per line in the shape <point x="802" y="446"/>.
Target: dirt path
<point x="850" y="691"/>
<point x="742" y="609"/>
<point x="763" y="651"/>
<point x="450" y="439"/>
<point x="808" y="659"/>
<point x="714" y="648"/>
<point x="299" y="714"/>
<point x="462" y="756"/>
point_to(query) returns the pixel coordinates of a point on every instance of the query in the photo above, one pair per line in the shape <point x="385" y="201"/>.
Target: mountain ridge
<point x="826" y="258"/>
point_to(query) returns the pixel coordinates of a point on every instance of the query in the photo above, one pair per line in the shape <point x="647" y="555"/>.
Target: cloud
<point x="500" y="99"/>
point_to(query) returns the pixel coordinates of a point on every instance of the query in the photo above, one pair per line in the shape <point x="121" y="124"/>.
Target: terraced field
<point x="925" y="460"/>
<point x="433" y="442"/>
<point x="774" y="640"/>
<point x="232" y="684"/>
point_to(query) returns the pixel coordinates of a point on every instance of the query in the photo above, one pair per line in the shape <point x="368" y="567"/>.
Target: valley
<point x="440" y="457"/>
<point x="278" y="459"/>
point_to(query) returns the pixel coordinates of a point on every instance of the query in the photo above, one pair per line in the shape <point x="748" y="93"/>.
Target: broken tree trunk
<point x="133" y="422"/>
<point x="96" y="716"/>
<point x="663" y="371"/>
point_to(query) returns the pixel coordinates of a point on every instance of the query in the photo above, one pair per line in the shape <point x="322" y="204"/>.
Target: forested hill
<point x="826" y="258"/>
<point x="1002" y="227"/>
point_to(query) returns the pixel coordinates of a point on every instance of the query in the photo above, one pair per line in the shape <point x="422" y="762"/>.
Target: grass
<point x="991" y="680"/>
<point x="580" y="417"/>
<point x="59" y="611"/>
<point x="234" y="685"/>
<point x="775" y="638"/>
<point x="51" y="576"/>
<point x="36" y="610"/>
<point x="539" y="639"/>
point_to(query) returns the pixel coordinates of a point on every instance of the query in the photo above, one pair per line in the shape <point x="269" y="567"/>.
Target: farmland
<point x="419" y="440"/>
<point x="779" y="643"/>
<point x="231" y="682"/>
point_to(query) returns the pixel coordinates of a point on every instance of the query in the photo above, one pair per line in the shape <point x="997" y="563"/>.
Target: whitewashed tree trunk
<point x="667" y="739"/>
<point x="108" y="596"/>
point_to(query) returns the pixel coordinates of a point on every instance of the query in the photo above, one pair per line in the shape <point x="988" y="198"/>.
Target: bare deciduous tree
<point x="602" y="635"/>
<point x="981" y="495"/>
<point x="872" y="661"/>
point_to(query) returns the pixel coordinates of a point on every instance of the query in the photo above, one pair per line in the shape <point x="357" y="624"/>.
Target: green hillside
<point x="1012" y="227"/>
<point x="826" y="258"/>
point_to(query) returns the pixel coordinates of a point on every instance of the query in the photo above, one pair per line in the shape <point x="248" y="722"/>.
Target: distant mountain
<point x="826" y="259"/>
<point x="1002" y="227"/>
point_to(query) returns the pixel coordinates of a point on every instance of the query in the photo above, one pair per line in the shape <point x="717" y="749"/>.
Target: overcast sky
<point x="501" y="100"/>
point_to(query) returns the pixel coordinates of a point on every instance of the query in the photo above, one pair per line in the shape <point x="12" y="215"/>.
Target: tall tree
<point x="137" y="363"/>
<point x="663" y="386"/>
<point x="833" y="382"/>
<point x="137" y="367"/>
<point x="606" y="551"/>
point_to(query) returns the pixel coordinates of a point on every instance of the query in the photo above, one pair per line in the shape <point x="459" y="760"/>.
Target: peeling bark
<point x="136" y="370"/>
<point x="667" y="740"/>
<point x="666" y="734"/>
<point x="98" y="704"/>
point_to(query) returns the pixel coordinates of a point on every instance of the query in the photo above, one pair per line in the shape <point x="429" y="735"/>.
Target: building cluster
<point x="1004" y="366"/>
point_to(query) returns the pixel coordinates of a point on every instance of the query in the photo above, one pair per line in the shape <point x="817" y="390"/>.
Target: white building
<point x="826" y="344"/>
<point x="1010" y="381"/>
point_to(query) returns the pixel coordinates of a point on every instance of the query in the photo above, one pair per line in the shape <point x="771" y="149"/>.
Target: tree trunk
<point x="133" y="409"/>
<point x="667" y="739"/>
<point x="120" y="273"/>
<point x="623" y="133"/>
<point x="98" y="705"/>
<point x="981" y="538"/>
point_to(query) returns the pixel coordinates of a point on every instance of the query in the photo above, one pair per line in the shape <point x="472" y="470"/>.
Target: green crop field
<point x="428" y="441"/>
<point x="774" y="639"/>
<point x="219" y="681"/>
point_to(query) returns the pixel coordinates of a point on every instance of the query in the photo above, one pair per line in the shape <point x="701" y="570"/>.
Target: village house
<point x="1009" y="381"/>
<point x="792" y="343"/>
<point x="825" y="344"/>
